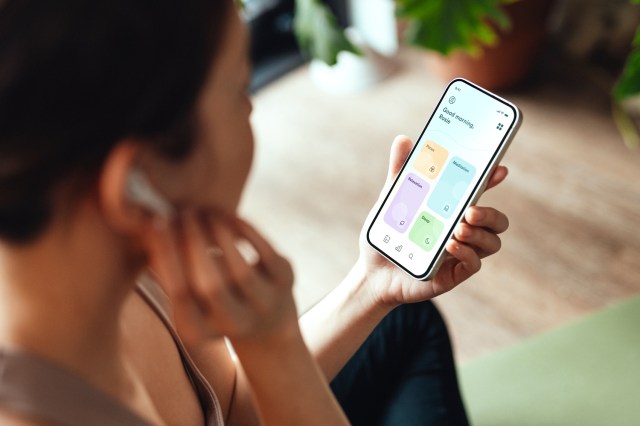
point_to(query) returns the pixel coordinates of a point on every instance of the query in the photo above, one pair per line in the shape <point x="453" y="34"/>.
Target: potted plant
<point x="492" y="42"/>
<point x="465" y="36"/>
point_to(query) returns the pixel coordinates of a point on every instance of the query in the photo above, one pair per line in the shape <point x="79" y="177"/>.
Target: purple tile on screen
<point x="404" y="206"/>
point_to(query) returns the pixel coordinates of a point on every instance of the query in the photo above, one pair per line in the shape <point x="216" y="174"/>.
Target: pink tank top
<point x="42" y="390"/>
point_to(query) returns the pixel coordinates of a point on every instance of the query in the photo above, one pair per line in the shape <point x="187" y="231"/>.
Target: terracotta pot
<point x="509" y="62"/>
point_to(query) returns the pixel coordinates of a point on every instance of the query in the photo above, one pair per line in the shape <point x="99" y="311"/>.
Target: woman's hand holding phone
<point x="475" y="238"/>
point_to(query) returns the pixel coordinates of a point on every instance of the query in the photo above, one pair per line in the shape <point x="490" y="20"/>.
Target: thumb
<point x="400" y="150"/>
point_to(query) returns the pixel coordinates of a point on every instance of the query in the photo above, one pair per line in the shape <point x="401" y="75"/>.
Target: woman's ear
<point x="139" y="191"/>
<point x="116" y="197"/>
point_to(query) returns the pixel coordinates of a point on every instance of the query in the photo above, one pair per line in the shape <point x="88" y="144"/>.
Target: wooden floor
<point x="573" y="198"/>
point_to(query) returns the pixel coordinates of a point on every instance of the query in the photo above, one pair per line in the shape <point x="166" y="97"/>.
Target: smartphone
<point x="446" y="172"/>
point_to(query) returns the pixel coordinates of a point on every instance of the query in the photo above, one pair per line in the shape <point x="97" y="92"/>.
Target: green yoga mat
<point x="586" y="373"/>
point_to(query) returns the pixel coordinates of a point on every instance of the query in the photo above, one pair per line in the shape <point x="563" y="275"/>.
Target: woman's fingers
<point x="485" y="241"/>
<point x="204" y="274"/>
<point x="497" y="177"/>
<point x="400" y="150"/>
<point x="215" y="287"/>
<point x="481" y="228"/>
<point x="487" y="217"/>
<point x="207" y="278"/>
<point x="166" y="262"/>
<point x="273" y="264"/>
<point x="466" y="262"/>
<point x="243" y="276"/>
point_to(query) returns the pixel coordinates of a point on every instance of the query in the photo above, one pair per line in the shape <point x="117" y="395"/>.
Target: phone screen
<point x="462" y="141"/>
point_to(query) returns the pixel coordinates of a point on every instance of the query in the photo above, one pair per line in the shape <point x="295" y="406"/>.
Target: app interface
<point x="451" y="157"/>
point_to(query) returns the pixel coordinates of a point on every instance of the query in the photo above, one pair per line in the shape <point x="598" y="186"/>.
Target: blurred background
<point x="323" y="135"/>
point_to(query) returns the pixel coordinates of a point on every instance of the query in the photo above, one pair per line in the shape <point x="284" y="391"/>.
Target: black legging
<point x="403" y="374"/>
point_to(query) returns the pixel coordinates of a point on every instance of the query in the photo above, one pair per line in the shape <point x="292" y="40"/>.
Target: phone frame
<point x="477" y="191"/>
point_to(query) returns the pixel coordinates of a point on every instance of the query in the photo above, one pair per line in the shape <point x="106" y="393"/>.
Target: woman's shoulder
<point x="32" y="387"/>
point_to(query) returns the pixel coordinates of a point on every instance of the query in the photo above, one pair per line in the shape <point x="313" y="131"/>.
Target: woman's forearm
<point x="337" y="326"/>
<point x="286" y="384"/>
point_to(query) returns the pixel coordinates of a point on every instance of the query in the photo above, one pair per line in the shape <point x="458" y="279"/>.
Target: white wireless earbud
<point x="140" y="191"/>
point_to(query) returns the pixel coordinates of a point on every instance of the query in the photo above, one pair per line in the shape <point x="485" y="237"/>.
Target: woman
<point x="124" y="148"/>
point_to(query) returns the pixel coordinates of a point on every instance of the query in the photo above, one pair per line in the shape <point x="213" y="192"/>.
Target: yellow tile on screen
<point x="430" y="160"/>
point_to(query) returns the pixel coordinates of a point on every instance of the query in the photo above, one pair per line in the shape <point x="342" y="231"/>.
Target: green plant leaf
<point x="448" y="25"/>
<point x="629" y="82"/>
<point x="626" y="126"/>
<point x="495" y="14"/>
<point x="318" y="33"/>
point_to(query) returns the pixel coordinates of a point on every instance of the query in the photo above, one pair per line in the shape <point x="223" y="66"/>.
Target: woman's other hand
<point x="224" y="279"/>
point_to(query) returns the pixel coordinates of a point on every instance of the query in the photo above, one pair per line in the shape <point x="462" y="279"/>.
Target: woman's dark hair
<point x="76" y="76"/>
